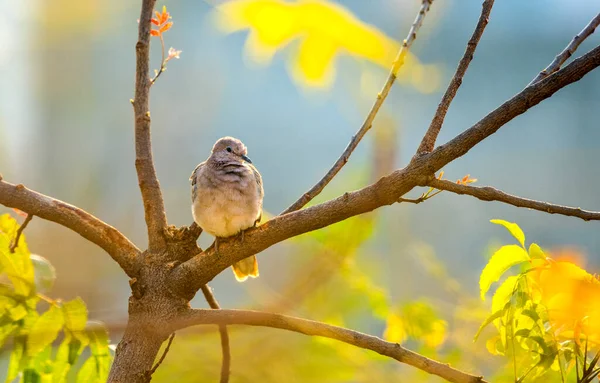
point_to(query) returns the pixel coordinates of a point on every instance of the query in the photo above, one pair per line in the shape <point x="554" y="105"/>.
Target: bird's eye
<point x="229" y="149"/>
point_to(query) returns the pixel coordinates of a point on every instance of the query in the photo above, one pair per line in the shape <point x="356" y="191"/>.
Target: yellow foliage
<point x="502" y="260"/>
<point x="324" y="29"/>
<point x="570" y="295"/>
<point x="419" y="321"/>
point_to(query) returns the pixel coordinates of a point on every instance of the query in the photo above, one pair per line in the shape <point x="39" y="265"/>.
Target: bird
<point x="227" y="197"/>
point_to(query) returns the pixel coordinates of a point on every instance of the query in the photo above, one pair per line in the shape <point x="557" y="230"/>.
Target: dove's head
<point x="228" y="149"/>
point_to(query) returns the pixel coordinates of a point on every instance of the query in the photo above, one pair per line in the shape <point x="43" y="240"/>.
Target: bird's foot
<point x="216" y="245"/>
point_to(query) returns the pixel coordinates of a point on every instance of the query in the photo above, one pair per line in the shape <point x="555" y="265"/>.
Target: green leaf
<point x="45" y="274"/>
<point x="40" y="366"/>
<point x="17" y="312"/>
<point x="68" y="352"/>
<point x="6" y="330"/>
<point x="45" y="330"/>
<point x="98" y="336"/>
<point x="498" y="314"/>
<point x="31" y="376"/>
<point x="513" y="229"/>
<point x="75" y="314"/>
<point x="17" y="266"/>
<point x="535" y="251"/>
<point x="8" y="227"/>
<point x="501" y="261"/>
<point x="16" y="357"/>
<point x="96" y="368"/>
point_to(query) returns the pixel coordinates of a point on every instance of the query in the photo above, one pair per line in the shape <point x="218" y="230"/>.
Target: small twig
<point x="490" y="194"/>
<point x="398" y="62"/>
<point x="416" y="201"/>
<point x="428" y="142"/>
<point x="163" y="355"/>
<point x="568" y="51"/>
<point x="162" y="61"/>
<point x="226" y="365"/>
<point x="15" y="243"/>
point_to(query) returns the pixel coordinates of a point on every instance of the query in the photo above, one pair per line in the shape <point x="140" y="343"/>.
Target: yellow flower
<point x="323" y="28"/>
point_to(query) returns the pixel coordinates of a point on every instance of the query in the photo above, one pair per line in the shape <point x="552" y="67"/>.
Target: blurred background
<point x="406" y="272"/>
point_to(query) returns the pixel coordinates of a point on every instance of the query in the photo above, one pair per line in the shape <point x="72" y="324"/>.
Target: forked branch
<point x="192" y="274"/>
<point x="91" y="228"/>
<point x="154" y="209"/>
<point x="339" y="164"/>
<point x="428" y="142"/>
<point x="487" y="193"/>
<point x="309" y="327"/>
<point x="568" y="51"/>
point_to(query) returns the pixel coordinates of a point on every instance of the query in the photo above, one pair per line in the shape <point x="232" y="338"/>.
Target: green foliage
<point x="32" y="332"/>
<point x="542" y="345"/>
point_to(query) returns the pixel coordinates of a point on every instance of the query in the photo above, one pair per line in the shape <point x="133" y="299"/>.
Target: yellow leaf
<point x="325" y="29"/>
<point x="492" y="345"/>
<point x="501" y="261"/>
<point x="513" y="229"/>
<point x="395" y="330"/>
<point x="437" y="334"/>
<point x="536" y="252"/>
<point x="503" y="294"/>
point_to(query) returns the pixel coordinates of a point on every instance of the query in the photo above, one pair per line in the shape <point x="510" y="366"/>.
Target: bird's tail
<point x="247" y="267"/>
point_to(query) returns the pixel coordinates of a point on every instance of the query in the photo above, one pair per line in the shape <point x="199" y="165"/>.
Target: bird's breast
<point x="225" y="208"/>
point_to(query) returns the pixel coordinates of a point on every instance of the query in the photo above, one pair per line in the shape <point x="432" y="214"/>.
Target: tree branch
<point x="191" y="275"/>
<point x="91" y="228"/>
<point x="226" y="364"/>
<point x="568" y="51"/>
<point x="487" y="193"/>
<point x="309" y="327"/>
<point x="517" y="105"/>
<point x="154" y="209"/>
<point x="339" y="164"/>
<point x="428" y="142"/>
<point x="15" y="242"/>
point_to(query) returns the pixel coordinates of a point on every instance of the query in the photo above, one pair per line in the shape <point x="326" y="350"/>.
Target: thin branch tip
<point x="380" y="98"/>
<point x="569" y="50"/>
<point x="488" y="193"/>
<point x="430" y="137"/>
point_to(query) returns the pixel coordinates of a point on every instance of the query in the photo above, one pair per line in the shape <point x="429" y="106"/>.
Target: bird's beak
<point x="246" y="159"/>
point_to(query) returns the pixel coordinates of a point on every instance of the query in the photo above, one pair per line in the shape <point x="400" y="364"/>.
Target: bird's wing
<point x="259" y="187"/>
<point x="194" y="179"/>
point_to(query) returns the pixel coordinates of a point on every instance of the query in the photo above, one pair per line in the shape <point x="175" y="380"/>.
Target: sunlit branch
<point x="309" y="327"/>
<point x="343" y="159"/>
<point x="102" y="234"/>
<point x="428" y="142"/>
<point x="568" y="51"/>
<point x="487" y="193"/>
<point x="156" y="219"/>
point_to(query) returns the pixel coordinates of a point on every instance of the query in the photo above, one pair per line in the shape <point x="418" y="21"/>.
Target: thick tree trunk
<point x="135" y="354"/>
<point x="152" y="311"/>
